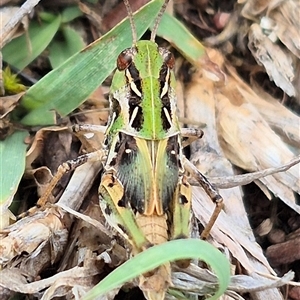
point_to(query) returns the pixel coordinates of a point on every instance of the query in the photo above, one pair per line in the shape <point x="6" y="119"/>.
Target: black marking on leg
<point x="123" y="228"/>
<point x="183" y="199"/>
<point x="122" y="203"/>
<point x="108" y="210"/>
<point x="116" y="107"/>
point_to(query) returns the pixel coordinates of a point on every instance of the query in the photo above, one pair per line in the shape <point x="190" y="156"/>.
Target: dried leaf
<point x="11" y="32"/>
<point x="278" y="63"/>
<point x="232" y="227"/>
<point x="287" y="28"/>
<point x="31" y="235"/>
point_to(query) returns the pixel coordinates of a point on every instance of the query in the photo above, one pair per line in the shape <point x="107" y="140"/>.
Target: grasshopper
<point x="144" y="192"/>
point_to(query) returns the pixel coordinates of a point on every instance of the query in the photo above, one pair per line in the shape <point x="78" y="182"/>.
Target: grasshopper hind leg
<point x="181" y="209"/>
<point x="66" y="167"/>
<point x="211" y="192"/>
<point x="190" y="135"/>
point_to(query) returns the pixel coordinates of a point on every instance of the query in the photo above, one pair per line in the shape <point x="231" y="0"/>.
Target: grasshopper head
<point x="143" y="101"/>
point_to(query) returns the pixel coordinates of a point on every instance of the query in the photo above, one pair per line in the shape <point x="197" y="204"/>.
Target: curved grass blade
<point x="181" y="38"/>
<point x="66" y="87"/>
<point x="160" y="254"/>
<point x="70" y="13"/>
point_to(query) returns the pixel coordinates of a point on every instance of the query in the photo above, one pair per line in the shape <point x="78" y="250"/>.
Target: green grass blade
<point x="66" y="87"/>
<point x="158" y="255"/>
<point x="21" y="52"/>
<point x="12" y="165"/>
<point x="70" y="13"/>
<point x="180" y="37"/>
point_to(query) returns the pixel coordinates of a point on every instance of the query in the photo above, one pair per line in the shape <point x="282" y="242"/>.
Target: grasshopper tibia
<point x="211" y="192"/>
<point x="88" y="128"/>
<point x="64" y="168"/>
<point x="190" y="135"/>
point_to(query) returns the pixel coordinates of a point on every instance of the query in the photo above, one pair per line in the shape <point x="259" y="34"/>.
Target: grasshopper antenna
<point x="158" y="19"/>
<point x="131" y="20"/>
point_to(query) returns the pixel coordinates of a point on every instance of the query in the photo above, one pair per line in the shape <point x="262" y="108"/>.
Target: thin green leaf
<point x="180" y="37"/>
<point x="47" y="16"/>
<point x="66" y="87"/>
<point x="70" y="13"/>
<point x="160" y="254"/>
<point x="12" y="165"/>
<point x="61" y="50"/>
<point x="22" y="51"/>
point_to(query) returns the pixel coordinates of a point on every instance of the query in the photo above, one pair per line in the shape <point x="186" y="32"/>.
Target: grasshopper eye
<point x="124" y="60"/>
<point x="170" y="60"/>
<point x="168" y="57"/>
